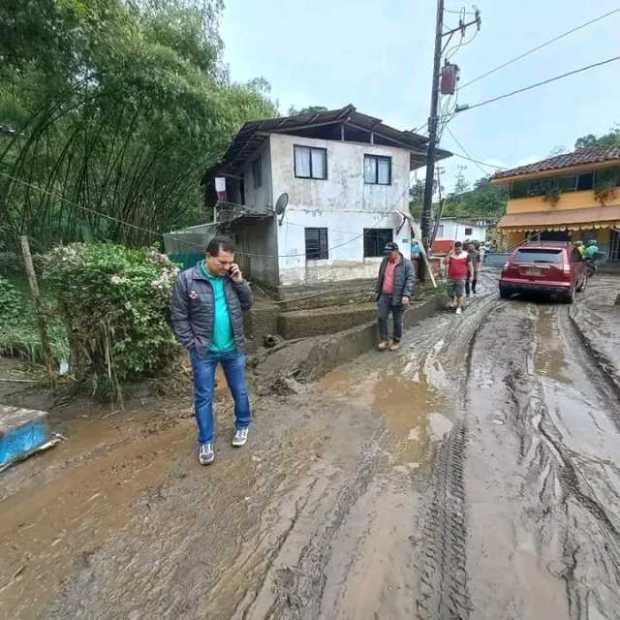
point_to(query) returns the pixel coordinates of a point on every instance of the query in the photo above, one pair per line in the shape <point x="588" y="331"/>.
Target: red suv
<point x="553" y="267"/>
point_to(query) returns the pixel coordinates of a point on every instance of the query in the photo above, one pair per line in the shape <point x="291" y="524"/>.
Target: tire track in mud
<point x="599" y="359"/>
<point x="294" y="590"/>
<point x="567" y="504"/>
<point x="442" y="590"/>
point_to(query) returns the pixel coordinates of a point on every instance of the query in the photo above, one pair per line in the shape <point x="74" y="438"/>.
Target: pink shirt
<point x="458" y="265"/>
<point x="388" y="277"/>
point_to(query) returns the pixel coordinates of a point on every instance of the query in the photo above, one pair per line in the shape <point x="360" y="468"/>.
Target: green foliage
<point x="311" y="109"/>
<point x="19" y="335"/>
<point x="484" y="201"/>
<point x="10" y="301"/>
<point x="120" y="107"/>
<point x="114" y="302"/>
<point x="609" y="139"/>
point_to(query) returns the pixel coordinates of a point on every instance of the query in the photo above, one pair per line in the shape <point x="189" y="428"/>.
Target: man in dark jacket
<point x="208" y="302"/>
<point x="395" y="286"/>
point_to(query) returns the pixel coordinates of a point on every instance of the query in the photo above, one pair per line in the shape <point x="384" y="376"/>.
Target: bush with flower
<point x="114" y="302"/>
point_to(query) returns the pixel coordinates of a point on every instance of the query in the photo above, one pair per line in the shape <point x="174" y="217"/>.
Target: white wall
<point x="455" y="231"/>
<point x="342" y="203"/>
<point x="345" y="239"/>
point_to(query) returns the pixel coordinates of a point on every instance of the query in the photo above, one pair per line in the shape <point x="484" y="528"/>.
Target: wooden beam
<point x="382" y="135"/>
<point x="308" y="126"/>
<point x="38" y="308"/>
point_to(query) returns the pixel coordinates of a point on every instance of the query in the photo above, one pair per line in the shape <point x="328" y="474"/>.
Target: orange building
<point x="570" y="197"/>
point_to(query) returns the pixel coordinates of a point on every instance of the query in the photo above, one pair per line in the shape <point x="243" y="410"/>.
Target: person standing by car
<point x="590" y="254"/>
<point x="395" y="286"/>
<point x="208" y="302"/>
<point x="459" y="269"/>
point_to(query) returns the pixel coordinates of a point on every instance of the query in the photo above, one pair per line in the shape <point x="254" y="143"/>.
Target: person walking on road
<point x="395" y="287"/>
<point x="208" y="302"/>
<point x="473" y="249"/>
<point x="459" y="270"/>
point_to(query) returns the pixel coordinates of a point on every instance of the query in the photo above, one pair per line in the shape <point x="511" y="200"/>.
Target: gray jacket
<point x="192" y="309"/>
<point x="404" y="280"/>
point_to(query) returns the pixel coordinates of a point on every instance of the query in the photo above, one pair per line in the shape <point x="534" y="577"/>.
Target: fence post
<point x="41" y="319"/>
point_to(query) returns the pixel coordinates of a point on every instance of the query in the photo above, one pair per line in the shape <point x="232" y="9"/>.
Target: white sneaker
<point x="206" y="455"/>
<point x="240" y="438"/>
<point x="459" y="310"/>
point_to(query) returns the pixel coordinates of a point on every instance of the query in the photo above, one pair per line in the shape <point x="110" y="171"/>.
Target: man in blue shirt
<point x="208" y="302"/>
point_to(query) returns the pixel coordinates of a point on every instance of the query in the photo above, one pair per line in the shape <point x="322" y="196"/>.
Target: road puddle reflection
<point x="549" y="360"/>
<point x="410" y="404"/>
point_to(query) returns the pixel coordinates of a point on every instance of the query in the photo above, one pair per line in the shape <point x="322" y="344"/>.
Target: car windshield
<point x="538" y="256"/>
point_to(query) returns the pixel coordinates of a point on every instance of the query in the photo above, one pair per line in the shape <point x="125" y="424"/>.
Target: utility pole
<point x="425" y="223"/>
<point x="433" y="120"/>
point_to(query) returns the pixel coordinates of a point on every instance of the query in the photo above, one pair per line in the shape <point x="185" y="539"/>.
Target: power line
<point x="541" y="46"/>
<point x="477" y="161"/>
<point x="171" y="235"/>
<point x="537" y="84"/>
<point x="469" y="157"/>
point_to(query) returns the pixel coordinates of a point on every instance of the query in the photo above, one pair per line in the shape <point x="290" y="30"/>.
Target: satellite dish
<point x="281" y="206"/>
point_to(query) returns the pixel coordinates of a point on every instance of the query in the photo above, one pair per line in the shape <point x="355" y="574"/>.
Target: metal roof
<point x="254" y="133"/>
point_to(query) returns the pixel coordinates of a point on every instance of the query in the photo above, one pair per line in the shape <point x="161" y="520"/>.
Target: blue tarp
<point x="21" y="441"/>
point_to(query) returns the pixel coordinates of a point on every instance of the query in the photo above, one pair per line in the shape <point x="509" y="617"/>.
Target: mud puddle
<point x="412" y="407"/>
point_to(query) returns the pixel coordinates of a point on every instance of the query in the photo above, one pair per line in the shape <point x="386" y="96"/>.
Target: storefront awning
<point x="567" y="219"/>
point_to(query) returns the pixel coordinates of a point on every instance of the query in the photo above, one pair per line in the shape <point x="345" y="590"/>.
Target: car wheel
<point x="570" y="296"/>
<point x="504" y="293"/>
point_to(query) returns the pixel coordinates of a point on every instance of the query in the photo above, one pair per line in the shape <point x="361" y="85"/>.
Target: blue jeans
<point x="204" y="365"/>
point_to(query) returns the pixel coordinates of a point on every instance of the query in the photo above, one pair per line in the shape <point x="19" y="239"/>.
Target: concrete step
<point x="22" y="431"/>
<point x="318" y="321"/>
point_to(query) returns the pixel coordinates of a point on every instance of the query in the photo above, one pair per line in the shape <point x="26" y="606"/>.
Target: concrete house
<point x="346" y="177"/>
<point x="575" y="196"/>
<point x="459" y="229"/>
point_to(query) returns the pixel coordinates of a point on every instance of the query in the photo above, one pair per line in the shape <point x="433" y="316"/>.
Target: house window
<point x="585" y="182"/>
<point x="310" y="162"/>
<point x="375" y="240"/>
<point x="316" y="243"/>
<point x="377" y="170"/>
<point x="468" y="231"/>
<point x="257" y="173"/>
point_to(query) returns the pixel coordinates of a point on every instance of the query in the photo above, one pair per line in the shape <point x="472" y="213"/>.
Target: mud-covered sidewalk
<point x="473" y="474"/>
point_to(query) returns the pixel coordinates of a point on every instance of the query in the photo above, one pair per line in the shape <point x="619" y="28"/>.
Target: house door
<point x="614" y="246"/>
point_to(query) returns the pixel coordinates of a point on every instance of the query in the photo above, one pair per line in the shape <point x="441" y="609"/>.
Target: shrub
<point x="114" y="302"/>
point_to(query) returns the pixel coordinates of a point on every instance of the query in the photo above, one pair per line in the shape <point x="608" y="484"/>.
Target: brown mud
<point x="473" y="474"/>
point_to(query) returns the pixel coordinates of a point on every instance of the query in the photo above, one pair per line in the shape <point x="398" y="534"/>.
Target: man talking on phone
<point x="208" y="302"/>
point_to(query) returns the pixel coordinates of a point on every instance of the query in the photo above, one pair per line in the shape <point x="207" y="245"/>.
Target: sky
<point x="378" y="56"/>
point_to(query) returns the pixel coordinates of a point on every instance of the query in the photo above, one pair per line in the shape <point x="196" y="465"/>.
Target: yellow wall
<point x="569" y="200"/>
<point x="510" y="239"/>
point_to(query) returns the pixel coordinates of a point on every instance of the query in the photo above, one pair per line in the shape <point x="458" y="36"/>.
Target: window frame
<point x="323" y="243"/>
<point x="310" y="148"/>
<point x="257" y="179"/>
<point x="378" y="249"/>
<point x="470" y="229"/>
<point x="387" y="158"/>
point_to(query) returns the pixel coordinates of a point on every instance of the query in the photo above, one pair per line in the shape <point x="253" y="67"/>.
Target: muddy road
<point x="473" y="474"/>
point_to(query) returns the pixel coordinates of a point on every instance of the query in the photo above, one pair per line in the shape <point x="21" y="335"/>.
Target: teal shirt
<point x="223" y="339"/>
<point x="591" y="252"/>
